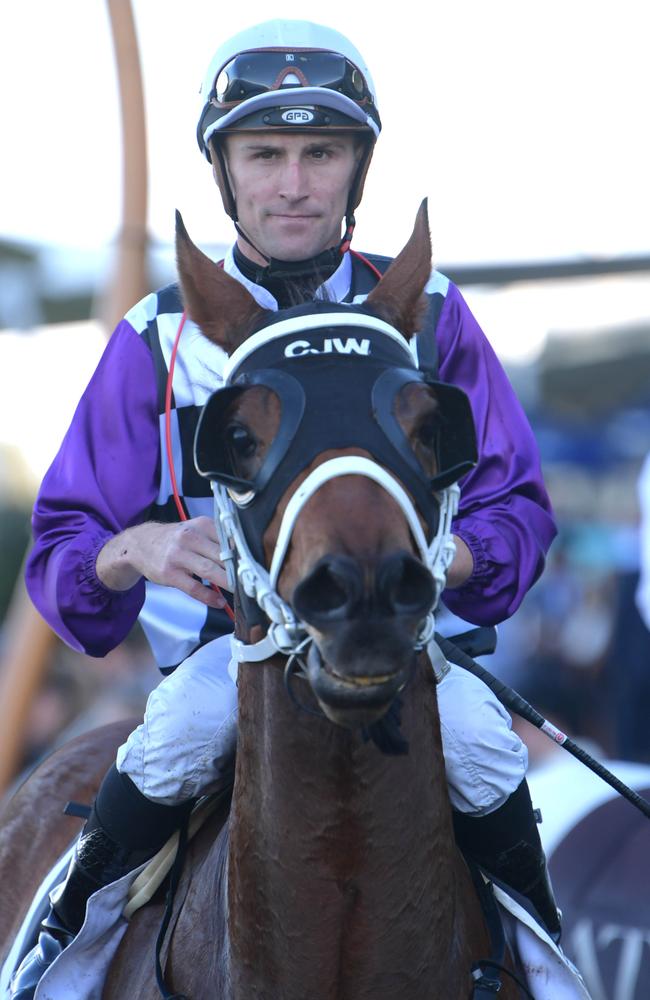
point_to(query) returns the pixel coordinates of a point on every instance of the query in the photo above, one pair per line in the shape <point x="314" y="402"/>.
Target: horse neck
<point x="343" y="875"/>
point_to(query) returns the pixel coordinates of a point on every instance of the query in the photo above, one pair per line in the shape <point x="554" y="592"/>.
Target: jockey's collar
<point x="313" y="271"/>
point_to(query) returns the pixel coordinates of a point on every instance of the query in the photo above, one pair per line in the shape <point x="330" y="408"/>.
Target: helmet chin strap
<point x="292" y="269"/>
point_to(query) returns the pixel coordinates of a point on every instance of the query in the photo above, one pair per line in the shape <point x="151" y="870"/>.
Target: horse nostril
<point x="404" y="585"/>
<point x="332" y="590"/>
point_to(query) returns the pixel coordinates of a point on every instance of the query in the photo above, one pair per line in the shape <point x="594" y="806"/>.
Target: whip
<point x="483" y="640"/>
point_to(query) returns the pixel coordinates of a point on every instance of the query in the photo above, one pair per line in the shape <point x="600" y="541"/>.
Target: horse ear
<point x="220" y="306"/>
<point x="398" y="297"/>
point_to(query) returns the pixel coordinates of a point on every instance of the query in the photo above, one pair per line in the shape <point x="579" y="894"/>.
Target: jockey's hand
<point x="175" y="555"/>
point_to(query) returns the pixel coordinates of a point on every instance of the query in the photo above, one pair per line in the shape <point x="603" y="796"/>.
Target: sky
<point x="524" y="123"/>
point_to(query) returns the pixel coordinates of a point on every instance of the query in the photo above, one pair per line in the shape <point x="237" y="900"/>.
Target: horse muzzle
<point x="340" y="589"/>
<point x="364" y="622"/>
<point x="353" y="700"/>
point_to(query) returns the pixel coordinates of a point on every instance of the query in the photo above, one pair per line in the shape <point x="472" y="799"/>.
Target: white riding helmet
<point x="287" y="76"/>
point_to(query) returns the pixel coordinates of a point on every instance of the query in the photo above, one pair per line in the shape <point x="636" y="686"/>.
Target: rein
<point x="174" y="880"/>
<point x="182" y="513"/>
<point x="486" y="972"/>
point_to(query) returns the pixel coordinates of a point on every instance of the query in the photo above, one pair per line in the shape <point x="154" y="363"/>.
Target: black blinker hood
<point x="337" y="379"/>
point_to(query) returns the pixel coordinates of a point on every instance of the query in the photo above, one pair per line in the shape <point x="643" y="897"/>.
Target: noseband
<point x="337" y="371"/>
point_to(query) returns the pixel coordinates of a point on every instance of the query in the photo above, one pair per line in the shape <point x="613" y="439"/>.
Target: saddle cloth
<point x="79" y="972"/>
<point x="549" y="973"/>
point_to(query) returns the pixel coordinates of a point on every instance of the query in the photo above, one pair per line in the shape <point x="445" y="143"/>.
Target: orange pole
<point x="129" y="281"/>
<point x="29" y="640"/>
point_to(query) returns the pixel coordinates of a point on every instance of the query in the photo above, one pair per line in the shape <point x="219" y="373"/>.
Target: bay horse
<point x="336" y="875"/>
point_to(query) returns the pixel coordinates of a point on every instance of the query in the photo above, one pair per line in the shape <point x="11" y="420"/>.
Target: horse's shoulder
<point x="80" y="763"/>
<point x="34" y="832"/>
<point x="198" y="923"/>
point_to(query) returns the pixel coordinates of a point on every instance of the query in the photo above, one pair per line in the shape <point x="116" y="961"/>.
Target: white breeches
<point x="186" y="743"/>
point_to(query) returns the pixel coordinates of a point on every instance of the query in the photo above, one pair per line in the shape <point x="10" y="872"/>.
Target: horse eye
<point x="241" y="441"/>
<point x="429" y="431"/>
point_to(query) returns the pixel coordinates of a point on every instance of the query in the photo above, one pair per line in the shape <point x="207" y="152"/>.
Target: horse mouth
<point x="352" y="700"/>
<point x="355" y="682"/>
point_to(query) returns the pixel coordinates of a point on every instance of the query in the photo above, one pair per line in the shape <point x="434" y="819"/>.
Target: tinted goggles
<point x="253" y="73"/>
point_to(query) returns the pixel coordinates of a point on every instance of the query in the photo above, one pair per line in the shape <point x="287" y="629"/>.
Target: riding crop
<point x="482" y="640"/>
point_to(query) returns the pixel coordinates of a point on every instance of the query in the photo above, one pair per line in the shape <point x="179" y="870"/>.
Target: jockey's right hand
<point x="175" y="555"/>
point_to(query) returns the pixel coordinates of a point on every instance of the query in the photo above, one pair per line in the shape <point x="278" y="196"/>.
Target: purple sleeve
<point x="103" y="480"/>
<point x="505" y="515"/>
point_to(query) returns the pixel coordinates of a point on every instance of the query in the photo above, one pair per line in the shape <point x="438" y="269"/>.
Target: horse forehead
<point x="366" y="494"/>
<point x="357" y="513"/>
<point x="350" y="508"/>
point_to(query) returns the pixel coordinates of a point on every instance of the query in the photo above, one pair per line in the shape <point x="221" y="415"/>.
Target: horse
<point x="335" y="874"/>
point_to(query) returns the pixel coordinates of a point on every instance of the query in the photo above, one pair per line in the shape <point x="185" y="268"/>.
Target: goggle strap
<point x="229" y="198"/>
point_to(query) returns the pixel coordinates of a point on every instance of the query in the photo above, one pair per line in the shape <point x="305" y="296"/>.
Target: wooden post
<point x="29" y="640"/>
<point x="129" y="282"/>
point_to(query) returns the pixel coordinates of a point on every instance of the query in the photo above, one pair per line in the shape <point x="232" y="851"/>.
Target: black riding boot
<point x="123" y="830"/>
<point x="506" y="844"/>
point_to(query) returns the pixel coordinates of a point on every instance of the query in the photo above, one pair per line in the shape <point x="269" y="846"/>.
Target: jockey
<point x="288" y="123"/>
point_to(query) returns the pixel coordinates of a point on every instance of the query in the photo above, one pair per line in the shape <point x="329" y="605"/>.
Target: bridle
<point x="286" y="633"/>
<point x="295" y="353"/>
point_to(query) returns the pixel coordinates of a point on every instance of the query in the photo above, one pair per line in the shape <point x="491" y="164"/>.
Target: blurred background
<point x="526" y="126"/>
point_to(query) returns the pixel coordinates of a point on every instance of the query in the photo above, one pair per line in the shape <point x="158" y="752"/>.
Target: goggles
<point x="252" y="73"/>
<point x="254" y="80"/>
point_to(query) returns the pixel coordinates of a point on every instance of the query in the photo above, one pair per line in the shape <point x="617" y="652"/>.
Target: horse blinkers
<point x="337" y="390"/>
<point x="332" y="399"/>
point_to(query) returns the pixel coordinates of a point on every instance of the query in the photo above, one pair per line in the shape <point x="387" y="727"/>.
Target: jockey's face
<point x="291" y="190"/>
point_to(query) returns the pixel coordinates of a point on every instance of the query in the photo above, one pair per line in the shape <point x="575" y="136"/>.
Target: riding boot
<point x="124" y="830"/>
<point x="506" y="844"/>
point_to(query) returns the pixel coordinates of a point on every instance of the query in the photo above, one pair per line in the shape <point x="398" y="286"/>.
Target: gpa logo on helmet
<point x="297" y="116"/>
